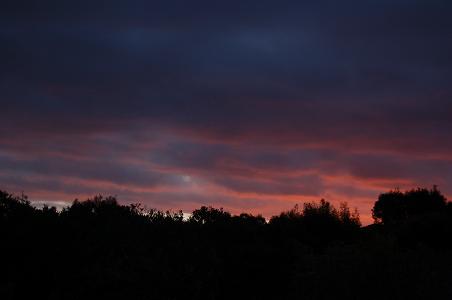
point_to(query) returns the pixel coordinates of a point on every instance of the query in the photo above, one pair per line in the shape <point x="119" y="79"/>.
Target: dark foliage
<point x="100" y="249"/>
<point x="396" y="207"/>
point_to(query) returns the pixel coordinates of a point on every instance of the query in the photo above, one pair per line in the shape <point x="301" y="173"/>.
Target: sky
<point x="249" y="105"/>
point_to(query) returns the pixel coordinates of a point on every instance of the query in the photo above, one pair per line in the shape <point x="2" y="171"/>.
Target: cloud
<point x="253" y="100"/>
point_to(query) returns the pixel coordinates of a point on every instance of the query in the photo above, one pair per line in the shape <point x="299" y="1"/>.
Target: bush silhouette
<point x="317" y="225"/>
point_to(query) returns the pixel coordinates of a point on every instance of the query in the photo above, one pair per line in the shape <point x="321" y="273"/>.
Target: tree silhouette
<point x="99" y="248"/>
<point x="14" y="208"/>
<point x="209" y="215"/>
<point x="394" y="206"/>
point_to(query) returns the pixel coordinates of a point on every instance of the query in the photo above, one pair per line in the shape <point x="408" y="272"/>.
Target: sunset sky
<point x="251" y="105"/>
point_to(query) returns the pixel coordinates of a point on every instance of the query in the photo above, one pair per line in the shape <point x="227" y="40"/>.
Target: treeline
<point x="101" y="249"/>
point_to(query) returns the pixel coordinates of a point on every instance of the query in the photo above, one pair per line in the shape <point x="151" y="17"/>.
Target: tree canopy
<point x="396" y="206"/>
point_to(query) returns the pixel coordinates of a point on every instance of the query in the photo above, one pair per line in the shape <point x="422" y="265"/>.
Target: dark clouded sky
<point x="250" y="105"/>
